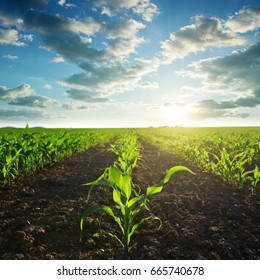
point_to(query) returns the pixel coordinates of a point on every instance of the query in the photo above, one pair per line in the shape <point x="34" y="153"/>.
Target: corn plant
<point x="230" y="169"/>
<point x="127" y="202"/>
<point x="10" y="167"/>
<point x="128" y="152"/>
<point x="253" y="179"/>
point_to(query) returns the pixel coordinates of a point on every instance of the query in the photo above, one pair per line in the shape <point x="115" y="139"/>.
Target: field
<point x="151" y="193"/>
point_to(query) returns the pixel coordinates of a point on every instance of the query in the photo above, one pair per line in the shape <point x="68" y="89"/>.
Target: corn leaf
<point x="153" y="190"/>
<point x="89" y="211"/>
<point x="172" y="171"/>
<point x="110" y="212"/>
<point x="117" y="197"/>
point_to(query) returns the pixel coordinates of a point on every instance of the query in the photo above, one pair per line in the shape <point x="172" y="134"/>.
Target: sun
<point x="174" y="115"/>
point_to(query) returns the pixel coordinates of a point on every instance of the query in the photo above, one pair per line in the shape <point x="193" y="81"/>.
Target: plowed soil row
<point x="202" y="217"/>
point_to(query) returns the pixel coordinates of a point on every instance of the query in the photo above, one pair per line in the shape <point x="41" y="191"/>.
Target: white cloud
<point x="48" y="86"/>
<point x="58" y="59"/>
<point x="61" y="2"/>
<point x="22" y="113"/>
<point x="121" y="48"/>
<point x="96" y="83"/>
<point x="24" y="95"/>
<point x="121" y="35"/>
<point x="9" y="31"/>
<point x="119" y="4"/>
<point x="145" y="8"/>
<point x="8" y="20"/>
<point x="123" y="29"/>
<point x="19" y="91"/>
<point x="9" y="56"/>
<point x="236" y="74"/>
<point x="74" y="39"/>
<point x="247" y="19"/>
<point x="209" y="113"/>
<point x="10" y="37"/>
<point x="32" y="101"/>
<point x="65" y="35"/>
<point x="88" y="26"/>
<point x="27" y="37"/>
<point x="205" y="32"/>
<point x="86" y="95"/>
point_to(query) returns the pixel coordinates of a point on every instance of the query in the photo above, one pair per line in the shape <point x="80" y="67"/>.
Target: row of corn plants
<point x="24" y="153"/>
<point x="232" y="154"/>
<point x="127" y="198"/>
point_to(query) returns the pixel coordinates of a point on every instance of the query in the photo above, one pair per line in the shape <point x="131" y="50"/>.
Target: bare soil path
<point x="202" y="217"/>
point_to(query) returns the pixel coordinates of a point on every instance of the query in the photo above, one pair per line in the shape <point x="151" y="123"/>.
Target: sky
<point x="129" y="63"/>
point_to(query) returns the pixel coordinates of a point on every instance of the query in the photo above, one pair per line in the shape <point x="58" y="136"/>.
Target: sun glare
<point x="174" y="115"/>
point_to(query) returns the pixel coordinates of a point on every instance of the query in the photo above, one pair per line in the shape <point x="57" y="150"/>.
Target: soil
<point x="202" y="217"/>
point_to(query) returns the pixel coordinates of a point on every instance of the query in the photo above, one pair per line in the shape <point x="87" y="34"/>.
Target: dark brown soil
<point x="202" y="217"/>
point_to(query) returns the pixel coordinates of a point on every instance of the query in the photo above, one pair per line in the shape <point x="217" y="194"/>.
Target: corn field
<point x="232" y="154"/>
<point x="159" y="193"/>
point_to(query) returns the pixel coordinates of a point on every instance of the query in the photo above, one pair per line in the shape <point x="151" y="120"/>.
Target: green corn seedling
<point x="128" y="152"/>
<point x="230" y="169"/>
<point x="127" y="203"/>
<point x="254" y="179"/>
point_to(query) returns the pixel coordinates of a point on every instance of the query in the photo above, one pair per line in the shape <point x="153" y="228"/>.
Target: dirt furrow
<point x="202" y="217"/>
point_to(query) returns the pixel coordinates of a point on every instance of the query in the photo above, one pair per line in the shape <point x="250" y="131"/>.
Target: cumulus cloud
<point x="119" y="49"/>
<point x="117" y="4"/>
<point x="58" y="59"/>
<point x="10" y="37"/>
<point x="97" y="82"/>
<point x="144" y="8"/>
<point x="22" y="113"/>
<point x="237" y="73"/>
<point x="147" y="9"/>
<point x="63" y="35"/>
<point x="209" y="113"/>
<point x="13" y="93"/>
<point x="24" y="95"/>
<point x="212" y="104"/>
<point x="123" y="38"/>
<point x="123" y="29"/>
<point x="32" y="101"/>
<point x="249" y="101"/>
<point x="9" y="31"/>
<point x="10" y="20"/>
<point x="247" y="19"/>
<point x="105" y="69"/>
<point x="70" y="37"/>
<point x="88" y="26"/>
<point x="86" y="96"/>
<point x="203" y="33"/>
<point x="61" y="2"/>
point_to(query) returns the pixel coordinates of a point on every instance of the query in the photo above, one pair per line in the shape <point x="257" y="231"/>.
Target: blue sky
<point x="129" y="63"/>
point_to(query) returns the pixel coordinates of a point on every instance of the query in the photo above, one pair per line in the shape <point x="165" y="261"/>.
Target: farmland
<point x="211" y="214"/>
